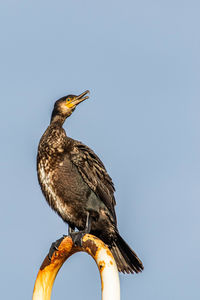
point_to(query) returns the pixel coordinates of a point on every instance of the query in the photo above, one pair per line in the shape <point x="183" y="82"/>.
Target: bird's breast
<point x="46" y="175"/>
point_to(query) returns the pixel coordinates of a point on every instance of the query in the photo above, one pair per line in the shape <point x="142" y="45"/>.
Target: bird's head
<point x="64" y="106"/>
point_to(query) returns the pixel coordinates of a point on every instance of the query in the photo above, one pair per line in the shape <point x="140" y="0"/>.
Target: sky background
<point x="141" y="62"/>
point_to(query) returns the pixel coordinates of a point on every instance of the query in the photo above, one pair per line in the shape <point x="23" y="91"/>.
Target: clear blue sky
<point x="141" y="62"/>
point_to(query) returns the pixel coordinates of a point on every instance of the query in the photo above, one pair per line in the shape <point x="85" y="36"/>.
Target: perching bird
<point x="77" y="186"/>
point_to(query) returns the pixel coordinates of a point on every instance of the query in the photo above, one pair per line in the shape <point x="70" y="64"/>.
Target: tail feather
<point x="126" y="259"/>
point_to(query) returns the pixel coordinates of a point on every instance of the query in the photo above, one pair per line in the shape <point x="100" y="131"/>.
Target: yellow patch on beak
<point x="69" y="103"/>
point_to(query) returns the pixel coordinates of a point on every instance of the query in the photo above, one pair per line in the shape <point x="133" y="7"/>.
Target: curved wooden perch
<point x="93" y="246"/>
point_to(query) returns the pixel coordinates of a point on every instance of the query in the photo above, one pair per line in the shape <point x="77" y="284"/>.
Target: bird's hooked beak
<point x="78" y="99"/>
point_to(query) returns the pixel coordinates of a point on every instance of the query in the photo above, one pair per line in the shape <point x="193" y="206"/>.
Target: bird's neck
<point x="57" y="120"/>
<point x="54" y="138"/>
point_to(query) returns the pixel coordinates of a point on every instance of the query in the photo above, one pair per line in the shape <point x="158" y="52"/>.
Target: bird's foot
<point x="54" y="247"/>
<point x="77" y="237"/>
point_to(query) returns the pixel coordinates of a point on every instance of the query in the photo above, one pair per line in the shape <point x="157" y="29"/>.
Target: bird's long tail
<point x="126" y="259"/>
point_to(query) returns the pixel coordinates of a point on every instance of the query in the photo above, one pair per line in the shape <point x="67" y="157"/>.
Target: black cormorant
<point x="77" y="186"/>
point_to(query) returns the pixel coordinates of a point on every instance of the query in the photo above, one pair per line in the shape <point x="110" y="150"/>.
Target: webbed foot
<point x="77" y="237"/>
<point x="54" y="247"/>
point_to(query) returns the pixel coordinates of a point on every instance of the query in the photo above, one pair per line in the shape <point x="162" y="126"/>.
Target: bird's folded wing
<point x="94" y="174"/>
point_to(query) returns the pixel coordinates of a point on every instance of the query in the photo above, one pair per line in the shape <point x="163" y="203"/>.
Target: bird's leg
<point x="78" y="236"/>
<point x="88" y="223"/>
<point x="70" y="230"/>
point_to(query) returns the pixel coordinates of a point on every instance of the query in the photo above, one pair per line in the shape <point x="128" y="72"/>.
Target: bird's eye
<point x="68" y="99"/>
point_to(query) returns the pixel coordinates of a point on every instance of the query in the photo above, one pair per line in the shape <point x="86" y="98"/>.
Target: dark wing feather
<point x="94" y="174"/>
